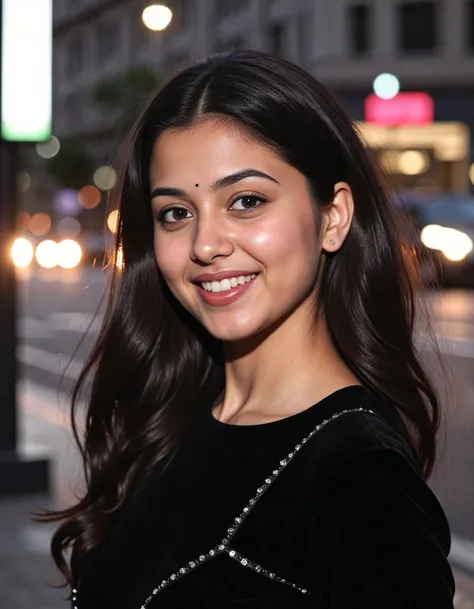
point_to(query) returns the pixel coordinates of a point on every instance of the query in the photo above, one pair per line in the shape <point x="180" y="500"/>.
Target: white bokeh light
<point x="386" y="86"/>
<point x="22" y="252"/>
<point x="49" y="149"/>
<point x="454" y="244"/>
<point x="157" y="17"/>
<point x="69" y="253"/>
<point x="47" y="254"/>
<point x="105" y="177"/>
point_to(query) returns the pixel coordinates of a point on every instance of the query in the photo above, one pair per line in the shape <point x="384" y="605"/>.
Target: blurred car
<point x="445" y="229"/>
<point x="89" y="249"/>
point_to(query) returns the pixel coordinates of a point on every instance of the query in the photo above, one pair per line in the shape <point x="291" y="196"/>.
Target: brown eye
<point x="172" y="215"/>
<point x="247" y="203"/>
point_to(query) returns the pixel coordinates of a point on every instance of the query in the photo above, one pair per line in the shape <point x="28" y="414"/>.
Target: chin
<point x="235" y="332"/>
<point x="231" y="334"/>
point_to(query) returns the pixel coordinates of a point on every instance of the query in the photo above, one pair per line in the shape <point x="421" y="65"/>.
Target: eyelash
<point x="250" y="195"/>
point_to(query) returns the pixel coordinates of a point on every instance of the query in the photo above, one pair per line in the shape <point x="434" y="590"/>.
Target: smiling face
<point x="222" y="202"/>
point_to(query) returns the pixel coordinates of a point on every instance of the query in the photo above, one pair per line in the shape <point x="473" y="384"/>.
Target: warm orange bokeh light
<point x="40" y="224"/>
<point x="22" y="221"/>
<point x="112" y="221"/>
<point x="89" y="196"/>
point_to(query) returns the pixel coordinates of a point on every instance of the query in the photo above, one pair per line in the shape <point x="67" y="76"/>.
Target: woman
<point x="260" y="426"/>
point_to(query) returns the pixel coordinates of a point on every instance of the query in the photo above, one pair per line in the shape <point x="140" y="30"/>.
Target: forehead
<point x="207" y="151"/>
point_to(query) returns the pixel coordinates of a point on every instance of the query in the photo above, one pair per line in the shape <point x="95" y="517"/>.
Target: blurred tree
<point x="122" y="93"/>
<point x="73" y="166"/>
<point x="120" y="96"/>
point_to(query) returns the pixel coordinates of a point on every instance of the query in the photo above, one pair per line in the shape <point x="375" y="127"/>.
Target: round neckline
<point x="307" y="412"/>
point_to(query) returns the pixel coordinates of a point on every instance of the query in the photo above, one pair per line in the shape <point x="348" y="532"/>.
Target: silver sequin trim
<point x="249" y="564"/>
<point x="223" y="546"/>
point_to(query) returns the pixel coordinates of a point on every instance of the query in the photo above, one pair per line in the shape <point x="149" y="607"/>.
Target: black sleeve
<point x="381" y="537"/>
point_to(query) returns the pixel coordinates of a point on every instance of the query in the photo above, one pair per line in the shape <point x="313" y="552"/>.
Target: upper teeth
<point x="226" y="284"/>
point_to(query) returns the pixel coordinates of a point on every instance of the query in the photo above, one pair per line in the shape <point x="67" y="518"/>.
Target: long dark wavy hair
<point x="153" y="365"/>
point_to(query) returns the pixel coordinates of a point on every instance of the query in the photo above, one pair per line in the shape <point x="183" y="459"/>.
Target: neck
<point x="283" y="371"/>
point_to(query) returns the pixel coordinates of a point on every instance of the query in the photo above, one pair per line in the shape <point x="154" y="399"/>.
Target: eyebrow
<point x="233" y="178"/>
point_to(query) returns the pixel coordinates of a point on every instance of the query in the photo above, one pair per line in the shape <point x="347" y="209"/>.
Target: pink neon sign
<point x="404" y="109"/>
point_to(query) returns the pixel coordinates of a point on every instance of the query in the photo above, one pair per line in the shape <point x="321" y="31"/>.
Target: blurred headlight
<point x="69" y="253"/>
<point x="454" y="244"/>
<point x="47" y="254"/>
<point x="22" y="252"/>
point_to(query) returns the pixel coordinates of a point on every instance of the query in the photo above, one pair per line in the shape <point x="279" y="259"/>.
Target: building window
<point x="470" y="25"/>
<point x="418" y="26"/>
<point x="108" y="40"/>
<point x="139" y="33"/>
<point x="359" y="17"/>
<point x="187" y="13"/>
<point x="75" y="57"/>
<point x="276" y="39"/>
<point x="74" y="109"/>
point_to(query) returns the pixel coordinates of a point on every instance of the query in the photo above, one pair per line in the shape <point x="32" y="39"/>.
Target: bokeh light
<point x="22" y="252"/>
<point x="412" y="162"/>
<point x="118" y="259"/>
<point x="89" y="196"/>
<point x="105" y="177"/>
<point x="66" y="202"/>
<point x="471" y="173"/>
<point x="386" y="86"/>
<point x="47" y="254"/>
<point x="69" y="253"/>
<point x="49" y="149"/>
<point x="454" y="244"/>
<point x="23" y="181"/>
<point x="157" y="17"/>
<point x="112" y="221"/>
<point x="22" y="222"/>
<point x="39" y="224"/>
<point x="68" y="227"/>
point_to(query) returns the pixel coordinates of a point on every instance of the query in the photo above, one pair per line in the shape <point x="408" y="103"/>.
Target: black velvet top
<point x="324" y="509"/>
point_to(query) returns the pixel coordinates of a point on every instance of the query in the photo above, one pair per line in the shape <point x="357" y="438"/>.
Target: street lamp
<point x="157" y="17"/>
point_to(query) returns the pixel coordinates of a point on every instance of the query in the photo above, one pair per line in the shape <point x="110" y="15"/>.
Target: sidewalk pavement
<point x="27" y="572"/>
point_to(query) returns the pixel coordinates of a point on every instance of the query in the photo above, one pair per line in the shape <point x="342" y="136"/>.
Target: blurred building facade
<point x="427" y="44"/>
<point x="97" y="38"/>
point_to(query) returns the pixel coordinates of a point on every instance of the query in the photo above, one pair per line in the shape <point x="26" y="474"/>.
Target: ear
<point x="337" y="218"/>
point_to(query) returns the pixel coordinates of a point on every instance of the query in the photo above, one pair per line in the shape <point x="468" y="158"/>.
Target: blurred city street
<point x="74" y="78"/>
<point x="56" y="307"/>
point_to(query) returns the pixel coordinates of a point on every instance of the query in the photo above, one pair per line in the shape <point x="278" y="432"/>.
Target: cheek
<point x="285" y="241"/>
<point x="168" y="257"/>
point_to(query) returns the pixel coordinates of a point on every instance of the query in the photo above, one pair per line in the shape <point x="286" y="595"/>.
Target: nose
<point x="212" y="239"/>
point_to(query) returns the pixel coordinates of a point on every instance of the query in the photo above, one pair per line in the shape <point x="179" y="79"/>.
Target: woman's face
<point x="224" y="203"/>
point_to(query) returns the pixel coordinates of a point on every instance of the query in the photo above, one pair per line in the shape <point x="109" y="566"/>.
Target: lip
<point x="217" y="299"/>
<point x="221" y="275"/>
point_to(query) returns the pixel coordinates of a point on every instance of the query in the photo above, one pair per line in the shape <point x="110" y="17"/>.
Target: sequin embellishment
<point x="223" y="546"/>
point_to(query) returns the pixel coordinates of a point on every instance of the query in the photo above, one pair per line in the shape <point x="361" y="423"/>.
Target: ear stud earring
<point x="332" y="242"/>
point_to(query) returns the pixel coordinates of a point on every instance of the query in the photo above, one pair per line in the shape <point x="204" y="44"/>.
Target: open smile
<point x="226" y="291"/>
